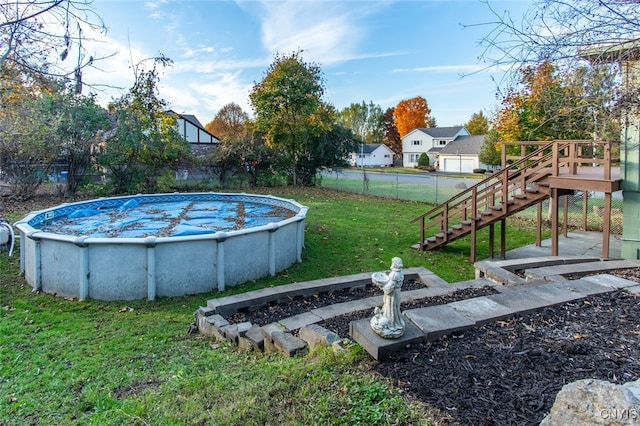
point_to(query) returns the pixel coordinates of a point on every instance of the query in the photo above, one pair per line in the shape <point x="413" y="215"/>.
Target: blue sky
<point x="380" y="51"/>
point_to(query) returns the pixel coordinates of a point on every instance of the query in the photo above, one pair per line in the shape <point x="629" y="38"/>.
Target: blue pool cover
<point x="163" y="219"/>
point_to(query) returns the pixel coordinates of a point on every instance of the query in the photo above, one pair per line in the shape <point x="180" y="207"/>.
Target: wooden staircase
<point x="516" y="187"/>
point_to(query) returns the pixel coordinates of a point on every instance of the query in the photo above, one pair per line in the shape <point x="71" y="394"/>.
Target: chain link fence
<point x="436" y="188"/>
<point x="430" y="188"/>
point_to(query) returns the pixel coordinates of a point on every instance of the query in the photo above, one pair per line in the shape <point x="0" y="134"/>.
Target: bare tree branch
<point x="557" y="30"/>
<point x="38" y="35"/>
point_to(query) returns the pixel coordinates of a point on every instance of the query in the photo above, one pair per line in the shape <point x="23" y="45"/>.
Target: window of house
<point x="442" y="142"/>
<point x="416" y="142"/>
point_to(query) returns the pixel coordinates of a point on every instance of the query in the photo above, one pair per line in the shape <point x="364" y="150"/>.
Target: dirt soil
<point x="506" y="372"/>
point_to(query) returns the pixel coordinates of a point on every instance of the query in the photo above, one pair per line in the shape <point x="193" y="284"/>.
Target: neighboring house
<point x="462" y="154"/>
<point x="194" y="132"/>
<point x="372" y="155"/>
<point x="430" y="140"/>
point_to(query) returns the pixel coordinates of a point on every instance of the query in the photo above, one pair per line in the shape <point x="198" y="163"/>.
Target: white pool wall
<point x="136" y="268"/>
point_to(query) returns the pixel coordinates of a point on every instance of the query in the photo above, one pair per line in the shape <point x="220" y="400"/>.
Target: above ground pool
<point x="141" y="246"/>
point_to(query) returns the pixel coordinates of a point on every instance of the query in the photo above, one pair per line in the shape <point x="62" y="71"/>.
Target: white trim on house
<point x="193" y="131"/>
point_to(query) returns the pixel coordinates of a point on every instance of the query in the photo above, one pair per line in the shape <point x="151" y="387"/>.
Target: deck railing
<point x="519" y="174"/>
<point x="571" y="154"/>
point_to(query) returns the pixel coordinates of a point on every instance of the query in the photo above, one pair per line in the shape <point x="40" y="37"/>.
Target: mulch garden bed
<point x="506" y="372"/>
<point x="509" y="372"/>
<point x="276" y="311"/>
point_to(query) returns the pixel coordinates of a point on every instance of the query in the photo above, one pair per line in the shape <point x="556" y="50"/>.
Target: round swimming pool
<point x="133" y="247"/>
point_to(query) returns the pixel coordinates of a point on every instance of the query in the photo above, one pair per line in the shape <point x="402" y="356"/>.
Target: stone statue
<point x="388" y="321"/>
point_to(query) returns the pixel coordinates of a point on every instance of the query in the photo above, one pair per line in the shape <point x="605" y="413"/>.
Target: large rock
<point x="595" y="402"/>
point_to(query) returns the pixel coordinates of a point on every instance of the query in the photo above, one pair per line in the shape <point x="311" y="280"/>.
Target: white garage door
<point x="458" y="165"/>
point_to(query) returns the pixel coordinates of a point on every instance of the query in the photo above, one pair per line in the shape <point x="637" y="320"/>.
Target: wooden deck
<point x="543" y="170"/>
<point x="587" y="178"/>
<point x="578" y="165"/>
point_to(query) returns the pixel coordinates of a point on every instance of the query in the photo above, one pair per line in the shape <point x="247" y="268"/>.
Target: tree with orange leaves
<point x="412" y="113"/>
<point x="229" y="123"/>
<point x="551" y="104"/>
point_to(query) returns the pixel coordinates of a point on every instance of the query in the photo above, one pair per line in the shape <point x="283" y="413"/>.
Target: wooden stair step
<point x="530" y="184"/>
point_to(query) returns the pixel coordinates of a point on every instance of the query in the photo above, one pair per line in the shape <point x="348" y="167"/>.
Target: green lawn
<point x="111" y="363"/>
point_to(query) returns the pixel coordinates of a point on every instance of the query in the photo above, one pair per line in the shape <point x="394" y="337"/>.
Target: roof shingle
<point x="464" y="145"/>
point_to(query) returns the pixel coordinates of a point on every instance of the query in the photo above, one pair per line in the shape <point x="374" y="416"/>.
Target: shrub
<point x="167" y="181"/>
<point x="423" y="160"/>
<point x="479" y="171"/>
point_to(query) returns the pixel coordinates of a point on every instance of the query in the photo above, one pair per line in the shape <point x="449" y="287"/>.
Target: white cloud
<point x="219" y="81"/>
<point x="444" y="68"/>
<point x="198" y="51"/>
<point x="328" y="32"/>
<point x="214" y="65"/>
<point x="180" y="100"/>
<point x="221" y="90"/>
<point x="154" y="8"/>
<point x="112" y="73"/>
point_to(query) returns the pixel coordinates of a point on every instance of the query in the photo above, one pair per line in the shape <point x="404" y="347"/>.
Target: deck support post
<point x="539" y="228"/>
<point x="491" y="239"/>
<point x="585" y="209"/>
<point x="606" y="225"/>
<point x="565" y="212"/>
<point x="554" y="221"/>
<point x="474" y="223"/>
<point x="503" y="238"/>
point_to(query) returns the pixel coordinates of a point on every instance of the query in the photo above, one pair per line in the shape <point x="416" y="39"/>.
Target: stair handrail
<point x="507" y="181"/>
<point x="518" y="178"/>
<point x="504" y="171"/>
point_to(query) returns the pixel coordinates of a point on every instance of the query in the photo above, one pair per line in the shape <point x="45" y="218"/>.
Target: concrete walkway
<point x="528" y="279"/>
<point x="576" y="243"/>
<point x="433" y="322"/>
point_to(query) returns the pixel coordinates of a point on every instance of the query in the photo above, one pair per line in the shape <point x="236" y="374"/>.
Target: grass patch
<point x="114" y="363"/>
